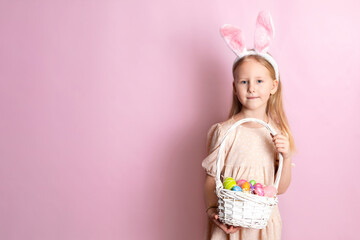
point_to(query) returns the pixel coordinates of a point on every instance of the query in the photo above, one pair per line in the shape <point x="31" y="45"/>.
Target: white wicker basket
<point x="244" y="209"/>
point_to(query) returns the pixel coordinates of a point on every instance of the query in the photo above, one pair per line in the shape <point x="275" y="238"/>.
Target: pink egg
<point x="259" y="191"/>
<point x="257" y="185"/>
<point x="240" y="182"/>
<point x="270" y="191"/>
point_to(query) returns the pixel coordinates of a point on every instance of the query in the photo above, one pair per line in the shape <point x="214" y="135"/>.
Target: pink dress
<point x="249" y="154"/>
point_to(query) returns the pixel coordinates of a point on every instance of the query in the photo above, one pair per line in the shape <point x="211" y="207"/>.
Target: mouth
<point x="252" y="97"/>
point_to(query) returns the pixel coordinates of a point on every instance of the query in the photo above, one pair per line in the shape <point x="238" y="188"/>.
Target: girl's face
<point x="253" y="84"/>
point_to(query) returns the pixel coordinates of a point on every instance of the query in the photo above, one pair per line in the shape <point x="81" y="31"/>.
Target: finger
<point x="282" y="150"/>
<point x="279" y="141"/>
<point x="283" y="139"/>
<point x="216" y="220"/>
<point x="235" y="229"/>
<point x="220" y="224"/>
<point x="231" y="229"/>
<point x="224" y="228"/>
<point x="279" y="136"/>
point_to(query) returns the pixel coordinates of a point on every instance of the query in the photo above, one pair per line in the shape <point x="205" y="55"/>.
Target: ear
<point x="234" y="88"/>
<point x="234" y="38"/>
<point x="264" y="32"/>
<point x="274" y="87"/>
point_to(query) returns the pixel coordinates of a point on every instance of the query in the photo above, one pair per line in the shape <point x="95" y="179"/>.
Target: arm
<point x="211" y="201"/>
<point x="210" y="196"/>
<point x="282" y="146"/>
<point x="285" y="176"/>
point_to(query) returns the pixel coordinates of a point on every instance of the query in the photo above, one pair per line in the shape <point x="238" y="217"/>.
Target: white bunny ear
<point x="264" y="32"/>
<point x="234" y="39"/>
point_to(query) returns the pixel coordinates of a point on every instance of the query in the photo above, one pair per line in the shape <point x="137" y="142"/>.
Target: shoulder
<point x="274" y="126"/>
<point x="218" y="130"/>
<point x="220" y="127"/>
<point x="216" y="133"/>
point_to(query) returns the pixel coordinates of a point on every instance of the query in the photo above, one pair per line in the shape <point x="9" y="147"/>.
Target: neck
<point x="245" y="113"/>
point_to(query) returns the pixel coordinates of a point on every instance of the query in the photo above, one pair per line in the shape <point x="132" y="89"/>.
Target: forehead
<point x="251" y="67"/>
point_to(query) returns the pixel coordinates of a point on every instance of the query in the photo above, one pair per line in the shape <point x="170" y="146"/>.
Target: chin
<point x="253" y="107"/>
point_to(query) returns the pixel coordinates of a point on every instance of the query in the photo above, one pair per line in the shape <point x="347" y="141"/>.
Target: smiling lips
<point x="252" y="97"/>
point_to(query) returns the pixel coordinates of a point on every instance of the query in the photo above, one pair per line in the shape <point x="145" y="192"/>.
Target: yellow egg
<point x="229" y="183"/>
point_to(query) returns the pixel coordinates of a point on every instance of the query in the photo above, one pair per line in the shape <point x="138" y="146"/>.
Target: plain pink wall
<point x="105" y="106"/>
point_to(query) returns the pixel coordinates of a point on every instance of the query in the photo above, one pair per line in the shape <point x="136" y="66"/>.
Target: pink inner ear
<point x="264" y="20"/>
<point x="262" y="40"/>
<point x="264" y="32"/>
<point x="234" y="38"/>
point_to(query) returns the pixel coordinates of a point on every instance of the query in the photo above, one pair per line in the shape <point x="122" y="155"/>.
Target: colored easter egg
<point x="257" y="185"/>
<point x="252" y="182"/>
<point x="269" y="191"/>
<point x="240" y="182"/>
<point x="237" y="189"/>
<point x="252" y="188"/>
<point x="259" y="191"/>
<point x="229" y="183"/>
<point x="246" y="187"/>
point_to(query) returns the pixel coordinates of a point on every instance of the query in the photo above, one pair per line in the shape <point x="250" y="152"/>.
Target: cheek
<point x="266" y="90"/>
<point x="237" y="88"/>
<point x="265" y="93"/>
<point x="241" y="91"/>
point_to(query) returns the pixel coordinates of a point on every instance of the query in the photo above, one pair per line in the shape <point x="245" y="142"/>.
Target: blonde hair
<point x="274" y="108"/>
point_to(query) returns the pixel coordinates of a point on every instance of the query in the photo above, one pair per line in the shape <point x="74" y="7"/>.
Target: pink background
<point x="105" y="106"/>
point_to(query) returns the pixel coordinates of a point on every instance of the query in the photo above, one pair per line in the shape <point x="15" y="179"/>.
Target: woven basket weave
<point x="244" y="209"/>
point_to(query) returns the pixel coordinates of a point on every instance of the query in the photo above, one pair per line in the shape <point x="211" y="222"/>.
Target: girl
<point x="251" y="152"/>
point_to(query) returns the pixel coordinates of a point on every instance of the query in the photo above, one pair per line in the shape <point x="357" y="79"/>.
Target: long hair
<point x="274" y="107"/>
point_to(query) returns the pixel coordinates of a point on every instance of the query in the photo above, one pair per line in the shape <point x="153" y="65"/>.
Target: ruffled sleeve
<point x="214" y="137"/>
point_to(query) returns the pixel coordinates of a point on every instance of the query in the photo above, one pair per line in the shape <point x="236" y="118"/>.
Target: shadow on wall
<point x="182" y="198"/>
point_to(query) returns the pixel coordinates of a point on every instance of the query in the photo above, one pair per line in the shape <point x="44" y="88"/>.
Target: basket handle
<point x="219" y="185"/>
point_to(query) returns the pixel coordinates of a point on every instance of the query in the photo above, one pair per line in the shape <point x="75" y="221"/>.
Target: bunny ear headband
<point x="264" y="34"/>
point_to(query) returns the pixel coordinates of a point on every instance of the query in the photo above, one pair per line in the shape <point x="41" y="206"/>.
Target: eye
<point x="242" y="82"/>
<point x="260" y="81"/>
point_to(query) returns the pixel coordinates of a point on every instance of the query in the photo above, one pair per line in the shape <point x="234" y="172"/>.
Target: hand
<point x="212" y="214"/>
<point x="282" y="145"/>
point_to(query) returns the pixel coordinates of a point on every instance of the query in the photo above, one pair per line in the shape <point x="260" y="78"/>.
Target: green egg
<point x="229" y="183"/>
<point x="253" y="182"/>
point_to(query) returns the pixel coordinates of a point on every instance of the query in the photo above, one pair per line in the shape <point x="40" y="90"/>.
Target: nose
<point x="251" y="87"/>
